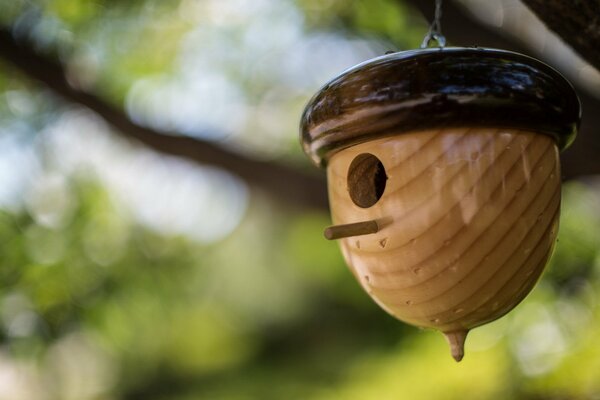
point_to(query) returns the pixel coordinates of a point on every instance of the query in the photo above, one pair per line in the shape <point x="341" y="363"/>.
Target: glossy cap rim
<point x="437" y="88"/>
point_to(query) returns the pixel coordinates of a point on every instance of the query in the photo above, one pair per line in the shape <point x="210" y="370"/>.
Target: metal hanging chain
<point x="435" y="29"/>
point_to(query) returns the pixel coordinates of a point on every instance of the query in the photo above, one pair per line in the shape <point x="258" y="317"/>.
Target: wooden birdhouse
<point x="444" y="179"/>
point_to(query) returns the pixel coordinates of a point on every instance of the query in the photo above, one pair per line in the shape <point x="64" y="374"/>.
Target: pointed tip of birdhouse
<point x="456" y="340"/>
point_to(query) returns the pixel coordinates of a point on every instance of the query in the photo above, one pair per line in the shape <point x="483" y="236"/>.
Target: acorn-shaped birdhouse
<point x="444" y="179"/>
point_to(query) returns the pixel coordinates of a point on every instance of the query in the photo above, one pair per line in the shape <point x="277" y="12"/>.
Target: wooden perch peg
<point x="349" y="230"/>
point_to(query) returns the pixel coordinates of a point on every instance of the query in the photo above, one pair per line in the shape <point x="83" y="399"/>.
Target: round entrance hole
<point x="366" y="180"/>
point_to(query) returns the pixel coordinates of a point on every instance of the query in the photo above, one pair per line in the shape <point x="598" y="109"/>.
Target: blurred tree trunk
<point x="577" y="22"/>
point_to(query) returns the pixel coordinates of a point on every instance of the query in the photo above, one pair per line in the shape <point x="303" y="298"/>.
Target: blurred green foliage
<point x="98" y="303"/>
<point x="389" y="20"/>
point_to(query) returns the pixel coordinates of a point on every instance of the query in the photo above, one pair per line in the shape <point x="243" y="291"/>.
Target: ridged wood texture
<point x="467" y="222"/>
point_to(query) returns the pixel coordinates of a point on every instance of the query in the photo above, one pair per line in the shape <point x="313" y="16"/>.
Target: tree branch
<point x="583" y="157"/>
<point x="576" y="22"/>
<point x="286" y="183"/>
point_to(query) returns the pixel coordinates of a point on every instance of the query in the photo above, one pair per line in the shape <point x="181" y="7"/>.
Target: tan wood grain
<point x="467" y="221"/>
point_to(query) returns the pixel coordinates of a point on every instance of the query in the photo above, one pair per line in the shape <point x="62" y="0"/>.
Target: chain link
<point x="435" y="29"/>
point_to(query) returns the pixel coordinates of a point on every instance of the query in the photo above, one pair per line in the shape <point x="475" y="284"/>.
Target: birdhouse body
<point x="468" y="218"/>
<point x="444" y="179"/>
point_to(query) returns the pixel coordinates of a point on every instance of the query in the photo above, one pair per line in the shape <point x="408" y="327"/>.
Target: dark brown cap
<point x="436" y="88"/>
